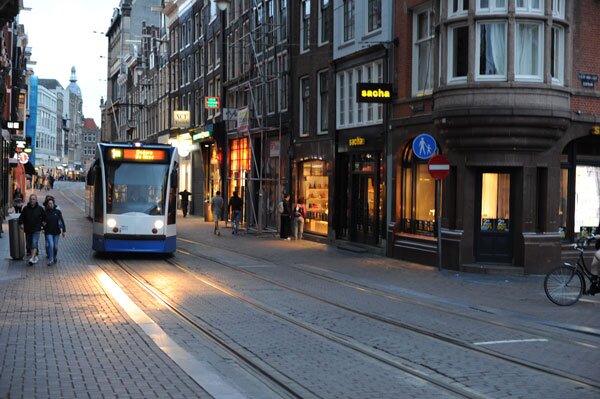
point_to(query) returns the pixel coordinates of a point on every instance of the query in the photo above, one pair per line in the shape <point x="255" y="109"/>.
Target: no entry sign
<point x="439" y="167"/>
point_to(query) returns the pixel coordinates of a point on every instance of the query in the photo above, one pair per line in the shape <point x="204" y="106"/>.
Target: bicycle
<point x="566" y="284"/>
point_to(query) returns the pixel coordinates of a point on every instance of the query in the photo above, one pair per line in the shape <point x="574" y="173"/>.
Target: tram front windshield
<point x="136" y="187"/>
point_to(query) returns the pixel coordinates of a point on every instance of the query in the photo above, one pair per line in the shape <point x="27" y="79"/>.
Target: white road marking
<point x="200" y="372"/>
<point x="511" y="341"/>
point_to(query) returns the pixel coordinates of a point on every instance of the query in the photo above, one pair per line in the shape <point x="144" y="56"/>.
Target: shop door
<point x="364" y="203"/>
<point x="493" y="230"/>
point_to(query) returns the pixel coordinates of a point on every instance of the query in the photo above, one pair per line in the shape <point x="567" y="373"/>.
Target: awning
<point x="29" y="169"/>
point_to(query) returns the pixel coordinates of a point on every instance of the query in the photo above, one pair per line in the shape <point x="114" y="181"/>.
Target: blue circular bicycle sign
<point x="424" y="146"/>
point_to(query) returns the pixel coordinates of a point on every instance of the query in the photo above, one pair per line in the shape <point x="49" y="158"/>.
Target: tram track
<point x="290" y="386"/>
<point x="399" y="324"/>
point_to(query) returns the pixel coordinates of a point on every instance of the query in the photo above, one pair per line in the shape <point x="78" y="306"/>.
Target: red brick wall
<point x="585" y="25"/>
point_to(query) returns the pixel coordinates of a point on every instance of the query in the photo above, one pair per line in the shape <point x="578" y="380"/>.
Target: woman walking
<point x="55" y="225"/>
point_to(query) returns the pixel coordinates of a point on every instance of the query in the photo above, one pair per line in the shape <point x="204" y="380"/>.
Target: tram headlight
<point x="111" y="223"/>
<point x="159" y="224"/>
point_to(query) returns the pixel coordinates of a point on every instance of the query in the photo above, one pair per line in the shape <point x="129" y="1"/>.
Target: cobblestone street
<point x="254" y="316"/>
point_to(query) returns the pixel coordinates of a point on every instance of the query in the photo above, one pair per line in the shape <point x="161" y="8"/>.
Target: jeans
<point x="32" y="240"/>
<point x="52" y="248"/>
<point x="235" y="218"/>
<point x="298" y="228"/>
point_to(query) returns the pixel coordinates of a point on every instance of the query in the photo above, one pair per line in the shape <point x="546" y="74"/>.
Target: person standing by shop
<point x="32" y="219"/>
<point x="18" y="200"/>
<point x="55" y="226"/>
<point x="284" y="209"/>
<point x="235" y="206"/>
<point x="216" y="205"/>
<point x="298" y="213"/>
<point x="185" y="201"/>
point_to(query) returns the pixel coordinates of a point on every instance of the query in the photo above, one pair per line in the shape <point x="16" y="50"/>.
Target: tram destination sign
<point x="137" y="155"/>
<point x="374" y="93"/>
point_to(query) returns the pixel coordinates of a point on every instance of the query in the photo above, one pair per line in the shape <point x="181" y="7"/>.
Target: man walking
<point x="216" y="205"/>
<point x="235" y="205"/>
<point x="185" y="201"/>
<point x="32" y="220"/>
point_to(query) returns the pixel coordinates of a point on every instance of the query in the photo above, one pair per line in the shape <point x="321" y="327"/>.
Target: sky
<point x="61" y="35"/>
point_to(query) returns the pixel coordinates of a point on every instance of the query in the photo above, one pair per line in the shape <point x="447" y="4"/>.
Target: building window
<point x="491" y="6"/>
<point x="189" y="69"/>
<point x="324" y="22"/>
<point x="373" y="15"/>
<point x="305" y="26"/>
<point x="423" y="34"/>
<point x="283" y="82"/>
<point x="197" y="24"/>
<point x="211" y="54"/>
<point x="342" y="100"/>
<point x="415" y="195"/>
<point x="557" y="57"/>
<point x="271" y="83"/>
<point x="457" y="8"/>
<point x="304" y="106"/>
<point x="213" y="11"/>
<point x="217" y="50"/>
<point x="530" y="6"/>
<point x="490" y="50"/>
<point x="529" y="51"/>
<point x="458" y="53"/>
<point x="282" y="20"/>
<point x="348" y="20"/>
<point x="323" y="102"/>
<point x="558" y="9"/>
<point x="350" y="90"/>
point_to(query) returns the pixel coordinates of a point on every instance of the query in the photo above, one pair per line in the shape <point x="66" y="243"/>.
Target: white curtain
<point x="528" y="48"/>
<point x="494" y="35"/>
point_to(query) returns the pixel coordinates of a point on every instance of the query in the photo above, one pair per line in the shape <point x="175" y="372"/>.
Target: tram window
<point x="98" y="197"/>
<point x="136" y="188"/>
<point x="172" y="216"/>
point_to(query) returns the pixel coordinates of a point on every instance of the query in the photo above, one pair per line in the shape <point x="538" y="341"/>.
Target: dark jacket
<point x="235" y="203"/>
<point x="32" y="218"/>
<point x="54" y="222"/>
<point x="287" y="208"/>
<point x="185" y="196"/>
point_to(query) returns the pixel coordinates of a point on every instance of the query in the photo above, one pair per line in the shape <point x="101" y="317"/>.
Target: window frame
<point x="450" y="79"/>
<point x="528" y="9"/>
<point x="304" y="27"/>
<point x="348" y="26"/>
<point x="478" y="76"/>
<point x="461" y="9"/>
<point x="320" y="74"/>
<point x="541" y="44"/>
<point x="560" y="5"/>
<point x="368" y="29"/>
<point x="416" y="42"/>
<point x="491" y="9"/>
<point x="560" y="46"/>
<point x="323" y="21"/>
<point x="303" y="113"/>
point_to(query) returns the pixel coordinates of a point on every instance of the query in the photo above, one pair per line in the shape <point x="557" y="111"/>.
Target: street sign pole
<point x="439" y="168"/>
<point x="438" y="220"/>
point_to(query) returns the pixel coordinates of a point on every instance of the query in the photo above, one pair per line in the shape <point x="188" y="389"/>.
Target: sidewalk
<point x="61" y="335"/>
<point x="520" y="296"/>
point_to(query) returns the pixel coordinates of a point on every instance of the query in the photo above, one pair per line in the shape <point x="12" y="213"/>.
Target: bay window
<point x="491" y="50"/>
<point x="530" y="6"/>
<point x="557" y="58"/>
<point x="558" y="9"/>
<point x="457" y="8"/>
<point x="529" y="49"/>
<point x="491" y="6"/>
<point x="458" y="53"/>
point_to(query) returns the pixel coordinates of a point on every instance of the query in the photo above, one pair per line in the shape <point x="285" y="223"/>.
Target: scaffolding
<point x="262" y="42"/>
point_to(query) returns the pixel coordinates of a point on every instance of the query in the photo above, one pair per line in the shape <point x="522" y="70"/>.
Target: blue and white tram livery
<point x="132" y="198"/>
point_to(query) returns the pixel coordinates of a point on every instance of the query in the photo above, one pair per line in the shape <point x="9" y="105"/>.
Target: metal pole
<point x="438" y="220"/>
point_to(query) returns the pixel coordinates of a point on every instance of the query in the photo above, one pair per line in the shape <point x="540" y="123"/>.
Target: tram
<point x="131" y="196"/>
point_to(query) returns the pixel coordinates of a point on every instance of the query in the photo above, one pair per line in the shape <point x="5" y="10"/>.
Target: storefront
<point x="313" y="190"/>
<point x="359" y="185"/>
<point x="239" y="169"/>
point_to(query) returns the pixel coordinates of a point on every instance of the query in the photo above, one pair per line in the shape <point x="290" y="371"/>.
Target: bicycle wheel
<point x="564" y="285"/>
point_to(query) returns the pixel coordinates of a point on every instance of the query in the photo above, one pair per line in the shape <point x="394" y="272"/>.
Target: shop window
<point x="239" y="164"/>
<point x="314" y="189"/>
<point x="495" y="202"/>
<point x="563" y="205"/>
<point x="416" y="203"/>
<point x="587" y="199"/>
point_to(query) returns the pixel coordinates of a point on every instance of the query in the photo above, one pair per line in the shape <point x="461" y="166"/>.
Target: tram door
<point x="493" y="230"/>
